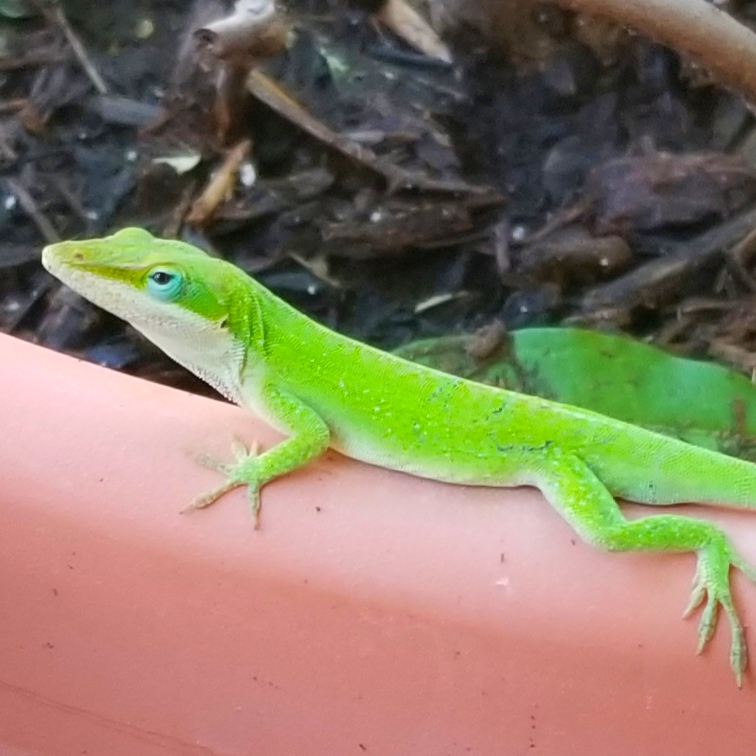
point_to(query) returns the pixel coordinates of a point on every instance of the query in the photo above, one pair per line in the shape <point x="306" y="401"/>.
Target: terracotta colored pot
<point x="373" y="613"/>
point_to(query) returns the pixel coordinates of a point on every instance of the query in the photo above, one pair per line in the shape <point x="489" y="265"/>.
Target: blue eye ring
<point x="164" y="283"/>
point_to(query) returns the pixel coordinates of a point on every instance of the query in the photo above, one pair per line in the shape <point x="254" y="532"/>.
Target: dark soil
<point x="413" y="199"/>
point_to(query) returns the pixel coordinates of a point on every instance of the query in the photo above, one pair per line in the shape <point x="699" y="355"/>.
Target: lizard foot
<point x="712" y="582"/>
<point x="243" y="471"/>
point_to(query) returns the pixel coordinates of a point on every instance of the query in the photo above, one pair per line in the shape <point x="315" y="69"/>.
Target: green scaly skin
<point x="324" y="389"/>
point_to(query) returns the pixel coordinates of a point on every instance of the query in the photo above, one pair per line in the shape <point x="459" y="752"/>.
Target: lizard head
<point x="195" y="307"/>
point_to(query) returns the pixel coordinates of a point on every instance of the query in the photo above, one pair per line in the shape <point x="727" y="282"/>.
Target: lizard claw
<point x="712" y="583"/>
<point x="211" y="463"/>
<point x="697" y="593"/>
<point x="241" y="452"/>
<point x="210" y="497"/>
<point x="241" y="472"/>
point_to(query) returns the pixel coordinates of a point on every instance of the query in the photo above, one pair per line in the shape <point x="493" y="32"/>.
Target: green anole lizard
<point x="324" y="389"/>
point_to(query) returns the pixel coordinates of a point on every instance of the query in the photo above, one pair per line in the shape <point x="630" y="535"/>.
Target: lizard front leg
<point x="309" y="439"/>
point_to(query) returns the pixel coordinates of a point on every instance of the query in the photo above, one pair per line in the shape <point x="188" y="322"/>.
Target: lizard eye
<point x="164" y="283"/>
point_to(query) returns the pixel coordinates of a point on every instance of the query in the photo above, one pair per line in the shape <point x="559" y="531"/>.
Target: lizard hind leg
<point x="581" y="498"/>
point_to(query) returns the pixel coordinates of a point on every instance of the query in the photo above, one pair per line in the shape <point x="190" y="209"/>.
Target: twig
<point x="220" y="185"/>
<point x="656" y="281"/>
<point x="406" y="22"/>
<point x="255" y="28"/>
<point x="738" y="257"/>
<point x="41" y="58"/>
<point x="30" y="207"/>
<point x="14" y="105"/>
<point x="697" y="28"/>
<point x="264" y="89"/>
<point x="172" y="228"/>
<point x="73" y="202"/>
<point x="6" y="149"/>
<point x="54" y="13"/>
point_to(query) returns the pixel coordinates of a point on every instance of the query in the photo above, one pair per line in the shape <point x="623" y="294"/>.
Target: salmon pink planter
<point x="374" y="613"/>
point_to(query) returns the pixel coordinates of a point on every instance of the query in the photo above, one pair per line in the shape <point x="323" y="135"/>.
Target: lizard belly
<point x="437" y="458"/>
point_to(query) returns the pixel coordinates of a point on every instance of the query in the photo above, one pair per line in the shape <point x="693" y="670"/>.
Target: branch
<point x="697" y="28"/>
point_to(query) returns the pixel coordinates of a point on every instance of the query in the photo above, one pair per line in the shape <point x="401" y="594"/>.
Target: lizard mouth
<point x="51" y="260"/>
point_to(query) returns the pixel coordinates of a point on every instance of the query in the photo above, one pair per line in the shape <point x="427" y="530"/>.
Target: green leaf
<point x="699" y="402"/>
